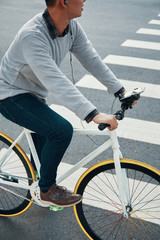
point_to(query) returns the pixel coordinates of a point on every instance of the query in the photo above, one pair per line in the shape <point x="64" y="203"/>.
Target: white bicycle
<point x="121" y="197"/>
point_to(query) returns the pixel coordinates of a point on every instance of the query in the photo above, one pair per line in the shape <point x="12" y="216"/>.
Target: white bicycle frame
<point x="112" y="142"/>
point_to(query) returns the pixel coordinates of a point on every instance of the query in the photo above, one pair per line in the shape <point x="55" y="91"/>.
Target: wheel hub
<point x="129" y="209"/>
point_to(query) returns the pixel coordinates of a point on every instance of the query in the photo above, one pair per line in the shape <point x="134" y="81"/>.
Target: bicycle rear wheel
<point x="100" y="214"/>
<point x="16" y="169"/>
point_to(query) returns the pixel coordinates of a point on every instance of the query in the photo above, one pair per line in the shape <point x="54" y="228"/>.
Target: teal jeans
<point x="52" y="135"/>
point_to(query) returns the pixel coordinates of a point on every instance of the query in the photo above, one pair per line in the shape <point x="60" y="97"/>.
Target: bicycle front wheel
<point x="100" y="214"/>
<point x="15" y="170"/>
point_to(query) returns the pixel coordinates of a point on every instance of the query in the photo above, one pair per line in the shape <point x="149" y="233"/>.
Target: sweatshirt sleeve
<point x="37" y="56"/>
<point x="89" y="58"/>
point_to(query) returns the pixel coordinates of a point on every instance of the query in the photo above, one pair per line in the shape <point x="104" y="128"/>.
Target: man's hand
<point x="105" y="118"/>
<point x="135" y="102"/>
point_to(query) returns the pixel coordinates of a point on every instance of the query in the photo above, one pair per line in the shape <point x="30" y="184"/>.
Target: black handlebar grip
<point x="119" y="116"/>
<point x="102" y="126"/>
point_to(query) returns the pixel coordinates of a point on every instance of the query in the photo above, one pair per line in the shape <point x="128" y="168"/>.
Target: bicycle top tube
<point x="81" y="131"/>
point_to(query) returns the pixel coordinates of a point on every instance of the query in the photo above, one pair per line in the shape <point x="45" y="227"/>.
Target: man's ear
<point x="63" y="3"/>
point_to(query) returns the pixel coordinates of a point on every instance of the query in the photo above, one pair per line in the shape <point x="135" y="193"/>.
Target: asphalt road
<point x="108" y="24"/>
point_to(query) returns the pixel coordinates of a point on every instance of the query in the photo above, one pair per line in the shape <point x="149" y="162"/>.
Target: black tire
<point x="18" y="165"/>
<point x="100" y="214"/>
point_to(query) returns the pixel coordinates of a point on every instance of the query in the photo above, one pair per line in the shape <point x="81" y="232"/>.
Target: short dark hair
<point x="50" y="3"/>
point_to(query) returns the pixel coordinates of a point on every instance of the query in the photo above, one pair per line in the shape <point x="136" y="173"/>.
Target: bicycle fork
<point x="121" y="176"/>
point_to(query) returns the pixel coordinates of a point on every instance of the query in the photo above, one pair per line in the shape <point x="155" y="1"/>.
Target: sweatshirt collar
<point x="53" y="32"/>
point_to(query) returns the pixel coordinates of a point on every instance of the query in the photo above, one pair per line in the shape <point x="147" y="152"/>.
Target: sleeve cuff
<point x="91" y="115"/>
<point x="119" y="92"/>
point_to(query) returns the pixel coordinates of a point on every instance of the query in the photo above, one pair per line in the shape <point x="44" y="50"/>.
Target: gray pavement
<point x="108" y="24"/>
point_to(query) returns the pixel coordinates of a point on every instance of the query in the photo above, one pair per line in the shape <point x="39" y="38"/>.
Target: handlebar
<point x="127" y="100"/>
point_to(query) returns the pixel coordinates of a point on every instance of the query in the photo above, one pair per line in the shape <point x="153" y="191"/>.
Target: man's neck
<point x="59" y="18"/>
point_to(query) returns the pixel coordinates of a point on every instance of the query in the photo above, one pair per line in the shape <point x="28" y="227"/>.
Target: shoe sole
<point x="58" y="205"/>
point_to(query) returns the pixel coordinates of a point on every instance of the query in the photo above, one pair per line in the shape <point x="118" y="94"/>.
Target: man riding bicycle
<point x="30" y="69"/>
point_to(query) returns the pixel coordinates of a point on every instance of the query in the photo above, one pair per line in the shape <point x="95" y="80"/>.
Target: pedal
<point x="37" y="175"/>
<point x="55" y="208"/>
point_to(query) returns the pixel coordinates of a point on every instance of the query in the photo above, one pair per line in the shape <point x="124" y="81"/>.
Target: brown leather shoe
<point x="60" y="197"/>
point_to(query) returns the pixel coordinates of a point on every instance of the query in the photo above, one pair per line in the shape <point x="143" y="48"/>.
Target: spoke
<point x="143" y="190"/>
<point x="120" y="223"/>
<point x="9" y="158"/>
<point x="101" y="201"/>
<point x="111" y="185"/>
<point x="15" y="167"/>
<point x="147" y="196"/>
<point x="107" y="215"/>
<point x="108" y="225"/>
<point x="146" y="202"/>
<point x="111" y="203"/>
<point x="116" y="223"/>
<point x="8" y="162"/>
<point x="149" y="214"/>
<point x="138" y="183"/>
<point x="140" y="208"/>
<point x="144" y="227"/>
<point x="136" y="228"/>
<point x="102" y="193"/>
<point x="7" y="199"/>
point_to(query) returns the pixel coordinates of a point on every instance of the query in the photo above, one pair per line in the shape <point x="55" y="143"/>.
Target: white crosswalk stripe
<point x="151" y="90"/>
<point x="149" y="31"/>
<point x="133" y="62"/>
<point x="71" y="180"/>
<point x="157" y="22"/>
<point x="141" y="44"/>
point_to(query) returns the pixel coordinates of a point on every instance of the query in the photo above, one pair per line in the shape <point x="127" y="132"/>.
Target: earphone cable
<point x="113" y="105"/>
<point x="70" y="53"/>
<point x="72" y="70"/>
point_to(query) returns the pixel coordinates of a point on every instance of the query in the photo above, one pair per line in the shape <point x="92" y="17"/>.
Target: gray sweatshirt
<point x="32" y="64"/>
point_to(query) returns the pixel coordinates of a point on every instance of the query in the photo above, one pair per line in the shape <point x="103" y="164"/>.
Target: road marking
<point x="18" y="8"/>
<point x="71" y="181"/>
<point x="139" y="130"/>
<point x="151" y="90"/>
<point x="157" y="22"/>
<point x="149" y="31"/>
<point x="134" y="129"/>
<point x="141" y="44"/>
<point x="133" y="62"/>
